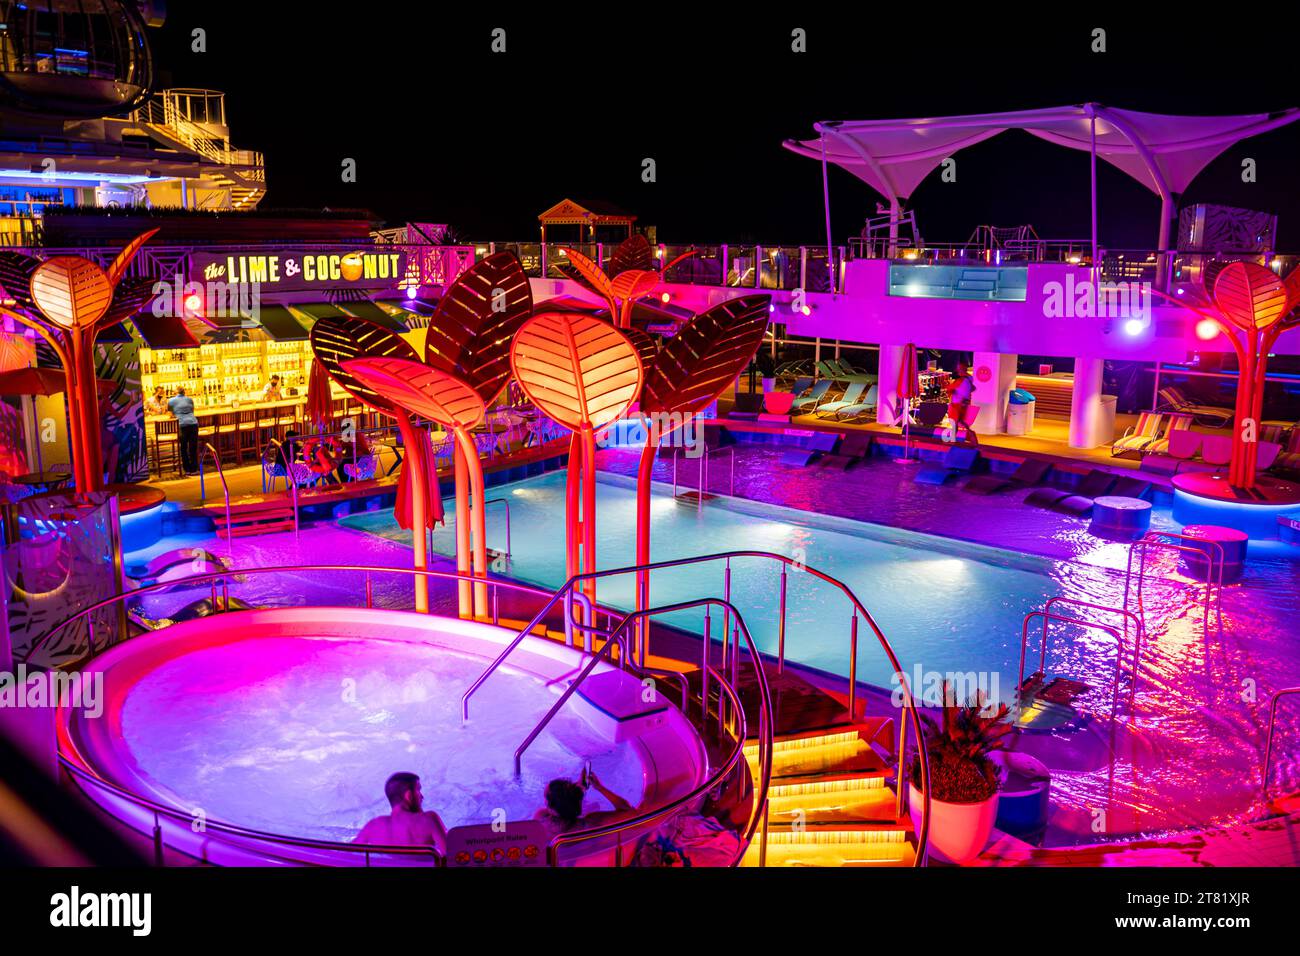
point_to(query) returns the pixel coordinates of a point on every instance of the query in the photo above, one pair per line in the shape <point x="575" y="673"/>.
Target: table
<point x="1119" y="518"/>
<point x="48" y="480"/>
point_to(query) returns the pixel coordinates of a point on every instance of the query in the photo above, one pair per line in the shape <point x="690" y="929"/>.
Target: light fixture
<point x="1134" y="327"/>
<point x="1207" y="329"/>
<point x="411" y="292"/>
<point x="665" y="297"/>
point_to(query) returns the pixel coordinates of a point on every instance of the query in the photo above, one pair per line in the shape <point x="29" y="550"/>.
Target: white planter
<point x="959" y="832"/>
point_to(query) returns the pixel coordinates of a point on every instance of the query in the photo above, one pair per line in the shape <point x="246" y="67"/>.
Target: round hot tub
<point x="288" y="722"/>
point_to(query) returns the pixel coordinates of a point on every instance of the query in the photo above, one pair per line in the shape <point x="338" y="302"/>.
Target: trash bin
<point x="1020" y="412"/>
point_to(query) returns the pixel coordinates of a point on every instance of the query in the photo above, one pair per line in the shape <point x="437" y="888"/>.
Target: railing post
<point x="853" y="668"/>
<point x="157" y="841"/>
<point x="780" y="627"/>
<point x="704" y="669"/>
<point x="803" y="268"/>
<point x="758" y="267"/>
<point x="725" y="255"/>
<point x="370" y="591"/>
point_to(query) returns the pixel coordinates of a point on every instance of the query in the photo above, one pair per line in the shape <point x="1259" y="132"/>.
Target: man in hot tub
<point x="409" y="824"/>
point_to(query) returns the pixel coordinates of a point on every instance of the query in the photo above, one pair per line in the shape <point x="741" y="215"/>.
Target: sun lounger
<point x="955" y="461"/>
<point x="850" y="450"/>
<point x="849" y="398"/>
<point x="1030" y="472"/>
<point x="1148" y="429"/>
<point x="1178" y="422"/>
<point x="1094" y="484"/>
<point x="866" y="406"/>
<point x="847" y="373"/>
<point x="1208" y="414"/>
<point x="801" y="406"/>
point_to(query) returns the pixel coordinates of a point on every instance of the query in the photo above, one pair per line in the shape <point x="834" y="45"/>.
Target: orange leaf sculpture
<point x="697" y="364"/>
<point x="634" y="252"/>
<point x="338" y="339"/>
<point x="1250" y="296"/>
<point x="117" y="268"/>
<point x="72" y="292"/>
<point x="423" y="389"/>
<point x="646" y="345"/>
<point x="582" y="372"/>
<point x="471" y="330"/>
<point x="593" y="275"/>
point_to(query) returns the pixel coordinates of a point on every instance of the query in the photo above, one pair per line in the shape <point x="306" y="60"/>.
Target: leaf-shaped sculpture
<point x="422" y="389"/>
<point x="71" y="291"/>
<point x="16" y="278"/>
<point x="697" y="364"/>
<point x="129" y="297"/>
<point x="594" y="274"/>
<point x="1249" y="295"/>
<point x="633" y="252"/>
<point x="470" y="333"/>
<point x="117" y="268"/>
<point x="338" y="339"/>
<point x="633" y="284"/>
<point x="580" y="371"/>
<point x="645" y="344"/>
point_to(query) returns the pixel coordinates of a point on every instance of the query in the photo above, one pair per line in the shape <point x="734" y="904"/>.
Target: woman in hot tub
<point x="564" y="798"/>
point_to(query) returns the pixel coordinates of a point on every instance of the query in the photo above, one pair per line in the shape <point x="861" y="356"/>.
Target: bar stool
<point x="286" y="418"/>
<point x="250" y="433"/>
<point x="166" y="446"/>
<point x="227" y="436"/>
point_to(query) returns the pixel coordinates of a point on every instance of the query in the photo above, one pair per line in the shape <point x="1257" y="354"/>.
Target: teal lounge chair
<point x="868" y="405"/>
<point x="810" y="401"/>
<point x="848" y="399"/>
<point x="842" y="371"/>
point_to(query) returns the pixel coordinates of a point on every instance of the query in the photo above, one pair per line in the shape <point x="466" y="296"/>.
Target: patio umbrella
<point x="909" y="387"/>
<point x="45" y="382"/>
<point x="320" y="404"/>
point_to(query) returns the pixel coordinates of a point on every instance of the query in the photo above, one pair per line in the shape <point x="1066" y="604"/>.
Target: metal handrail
<point x="1048" y="616"/>
<point x="1155" y="539"/>
<point x="1272" y="726"/>
<point x="704" y="473"/>
<point x="766" y="742"/>
<point x="712" y="781"/>
<point x="225" y="488"/>
<point x="288" y="480"/>
<point x="909" y="703"/>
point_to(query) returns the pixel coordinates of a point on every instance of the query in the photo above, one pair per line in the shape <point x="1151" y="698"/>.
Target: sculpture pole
<point x="418" y="478"/>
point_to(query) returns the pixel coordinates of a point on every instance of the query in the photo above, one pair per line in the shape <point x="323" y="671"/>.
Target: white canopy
<point x="1163" y="152"/>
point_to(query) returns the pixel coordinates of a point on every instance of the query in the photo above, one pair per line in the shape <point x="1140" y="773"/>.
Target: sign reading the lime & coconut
<point x="306" y="269"/>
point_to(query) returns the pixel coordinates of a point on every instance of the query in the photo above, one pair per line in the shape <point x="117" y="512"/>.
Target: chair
<point x="844" y="372"/>
<point x="1178" y="422"/>
<point x="1179" y="402"/>
<point x="810" y="401"/>
<point x="226" y="432"/>
<point x="1029" y="472"/>
<point x="955" y="461"/>
<point x="250" y="433"/>
<point x="930" y="414"/>
<point x="1146" y="431"/>
<point x="851" y="449"/>
<point x="1217" y="450"/>
<point x="800" y="386"/>
<point x="1288" y="458"/>
<point x="1093" y="485"/>
<point x="1183" y="447"/>
<point x="847" y="400"/>
<point x="166" y="446"/>
<point x="868" y="405"/>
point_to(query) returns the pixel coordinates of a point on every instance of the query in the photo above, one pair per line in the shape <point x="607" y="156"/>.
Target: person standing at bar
<point x="272" y="391"/>
<point x="182" y="409"/>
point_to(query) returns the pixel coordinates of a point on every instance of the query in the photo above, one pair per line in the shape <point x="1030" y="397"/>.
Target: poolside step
<point x="845" y="802"/>
<point x="845" y="753"/>
<point x="834" y="846"/>
<point x="252" y="518"/>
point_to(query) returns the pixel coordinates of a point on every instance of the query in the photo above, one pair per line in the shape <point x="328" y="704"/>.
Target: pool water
<point x="296" y="736"/>
<point x="943" y="605"/>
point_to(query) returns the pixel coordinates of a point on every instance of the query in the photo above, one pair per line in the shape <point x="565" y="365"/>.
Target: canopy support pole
<point x="826" y="205"/>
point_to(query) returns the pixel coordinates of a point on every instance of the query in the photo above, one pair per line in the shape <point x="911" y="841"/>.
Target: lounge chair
<point x="1216" y="450"/>
<point x="850" y="450"/>
<point x="1288" y="458"/>
<point x="1030" y="472"/>
<point x="801" y="406"/>
<point x="849" y="398"/>
<point x="1093" y="485"/>
<point x="1178" y="422"/>
<point x="1183" y="447"/>
<point x="800" y="386"/>
<point x="1147" y="430"/>
<point x="847" y="373"/>
<point x="867" y="405"/>
<point x="1081" y="505"/>
<point x="1211" y="415"/>
<point x="955" y="461"/>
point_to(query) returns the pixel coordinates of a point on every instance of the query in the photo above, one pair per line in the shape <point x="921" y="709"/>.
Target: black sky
<point x="443" y="130"/>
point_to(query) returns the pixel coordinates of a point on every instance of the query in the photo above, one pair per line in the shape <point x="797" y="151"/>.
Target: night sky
<point x="443" y="130"/>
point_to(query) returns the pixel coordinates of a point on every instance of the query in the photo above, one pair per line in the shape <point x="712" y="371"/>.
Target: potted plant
<point x="963" y="780"/>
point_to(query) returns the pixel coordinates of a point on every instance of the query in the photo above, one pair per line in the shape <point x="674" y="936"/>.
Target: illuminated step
<point x="831" y="801"/>
<point x="812" y="740"/>
<point x="853" y="757"/>
<point x="833" y="847"/>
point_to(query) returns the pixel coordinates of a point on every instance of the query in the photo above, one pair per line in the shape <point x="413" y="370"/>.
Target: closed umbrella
<point x="320" y="403"/>
<point x="909" y="387"/>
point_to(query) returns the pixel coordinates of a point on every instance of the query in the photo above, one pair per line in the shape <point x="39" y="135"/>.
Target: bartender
<point x="272" y="391"/>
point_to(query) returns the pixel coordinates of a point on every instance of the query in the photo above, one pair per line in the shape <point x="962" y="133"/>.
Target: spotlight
<point x="806" y="310"/>
<point x="1207" y="329"/>
<point x="1134" y="327"/>
<point x="411" y="292"/>
<point x="194" y="304"/>
<point x="665" y="297"/>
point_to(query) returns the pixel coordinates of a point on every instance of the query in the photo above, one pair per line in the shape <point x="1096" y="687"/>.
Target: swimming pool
<point x="945" y="606"/>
